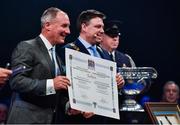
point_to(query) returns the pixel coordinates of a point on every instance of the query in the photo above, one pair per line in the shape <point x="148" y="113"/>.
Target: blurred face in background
<point x="171" y="93"/>
<point x="110" y="43"/>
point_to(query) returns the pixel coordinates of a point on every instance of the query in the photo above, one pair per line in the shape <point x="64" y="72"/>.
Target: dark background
<point x="150" y="30"/>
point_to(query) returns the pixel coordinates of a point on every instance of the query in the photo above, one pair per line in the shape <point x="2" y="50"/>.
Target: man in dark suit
<point x="38" y="78"/>
<point x="90" y="25"/>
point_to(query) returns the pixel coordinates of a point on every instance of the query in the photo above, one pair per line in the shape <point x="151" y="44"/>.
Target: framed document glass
<point x="163" y="113"/>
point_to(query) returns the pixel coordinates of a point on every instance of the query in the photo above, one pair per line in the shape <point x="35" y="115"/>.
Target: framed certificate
<point x="163" y="113"/>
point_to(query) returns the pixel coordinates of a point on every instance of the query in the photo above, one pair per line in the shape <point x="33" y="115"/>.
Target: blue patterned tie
<point x="94" y="51"/>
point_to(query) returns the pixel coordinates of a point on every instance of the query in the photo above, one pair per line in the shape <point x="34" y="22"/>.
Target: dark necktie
<point x="111" y="56"/>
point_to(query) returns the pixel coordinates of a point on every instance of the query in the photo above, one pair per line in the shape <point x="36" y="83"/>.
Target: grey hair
<point x="169" y="83"/>
<point x="49" y="14"/>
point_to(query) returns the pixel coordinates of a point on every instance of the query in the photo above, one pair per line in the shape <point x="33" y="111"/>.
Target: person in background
<point x="170" y="92"/>
<point x="110" y="42"/>
<point x="90" y="25"/>
<point x="37" y="85"/>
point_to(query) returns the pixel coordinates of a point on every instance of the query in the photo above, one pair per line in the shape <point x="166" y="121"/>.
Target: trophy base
<point x="131" y="105"/>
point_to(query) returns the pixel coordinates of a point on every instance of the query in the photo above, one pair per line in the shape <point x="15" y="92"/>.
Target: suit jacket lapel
<point x="45" y="53"/>
<point x="60" y="65"/>
<point x="104" y="54"/>
<point x="82" y="48"/>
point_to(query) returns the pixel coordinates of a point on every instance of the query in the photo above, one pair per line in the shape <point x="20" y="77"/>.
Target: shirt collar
<point x="84" y="42"/>
<point x="46" y="42"/>
<point x="113" y="53"/>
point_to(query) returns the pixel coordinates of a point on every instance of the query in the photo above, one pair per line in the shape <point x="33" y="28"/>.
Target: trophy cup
<point x="137" y="80"/>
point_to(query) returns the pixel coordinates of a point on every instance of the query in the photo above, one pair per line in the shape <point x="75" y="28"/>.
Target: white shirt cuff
<point x="50" y="87"/>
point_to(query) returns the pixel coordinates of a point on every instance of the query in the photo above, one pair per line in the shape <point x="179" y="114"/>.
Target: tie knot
<point x="52" y="49"/>
<point x="93" y="48"/>
<point x="94" y="51"/>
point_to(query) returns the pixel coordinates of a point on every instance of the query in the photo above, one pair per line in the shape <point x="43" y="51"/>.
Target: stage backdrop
<point x="150" y="29"/>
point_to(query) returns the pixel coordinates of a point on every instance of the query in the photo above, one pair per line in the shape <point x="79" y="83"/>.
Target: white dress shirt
<point x="49" y="83"/>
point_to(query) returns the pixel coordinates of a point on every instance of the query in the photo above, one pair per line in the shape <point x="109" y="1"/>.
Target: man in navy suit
<point x="36" y="87"/>
<point x="90" y="25"/>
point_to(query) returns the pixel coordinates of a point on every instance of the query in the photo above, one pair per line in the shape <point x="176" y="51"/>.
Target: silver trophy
<point x="137" y="80"/>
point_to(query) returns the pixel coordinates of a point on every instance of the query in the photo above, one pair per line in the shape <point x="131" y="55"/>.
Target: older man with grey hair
<point x="36" y="88"/>
<point x="170" y="92"/>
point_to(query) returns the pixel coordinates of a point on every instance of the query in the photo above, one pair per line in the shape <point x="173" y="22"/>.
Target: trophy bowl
<point x="137" y="80"/>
